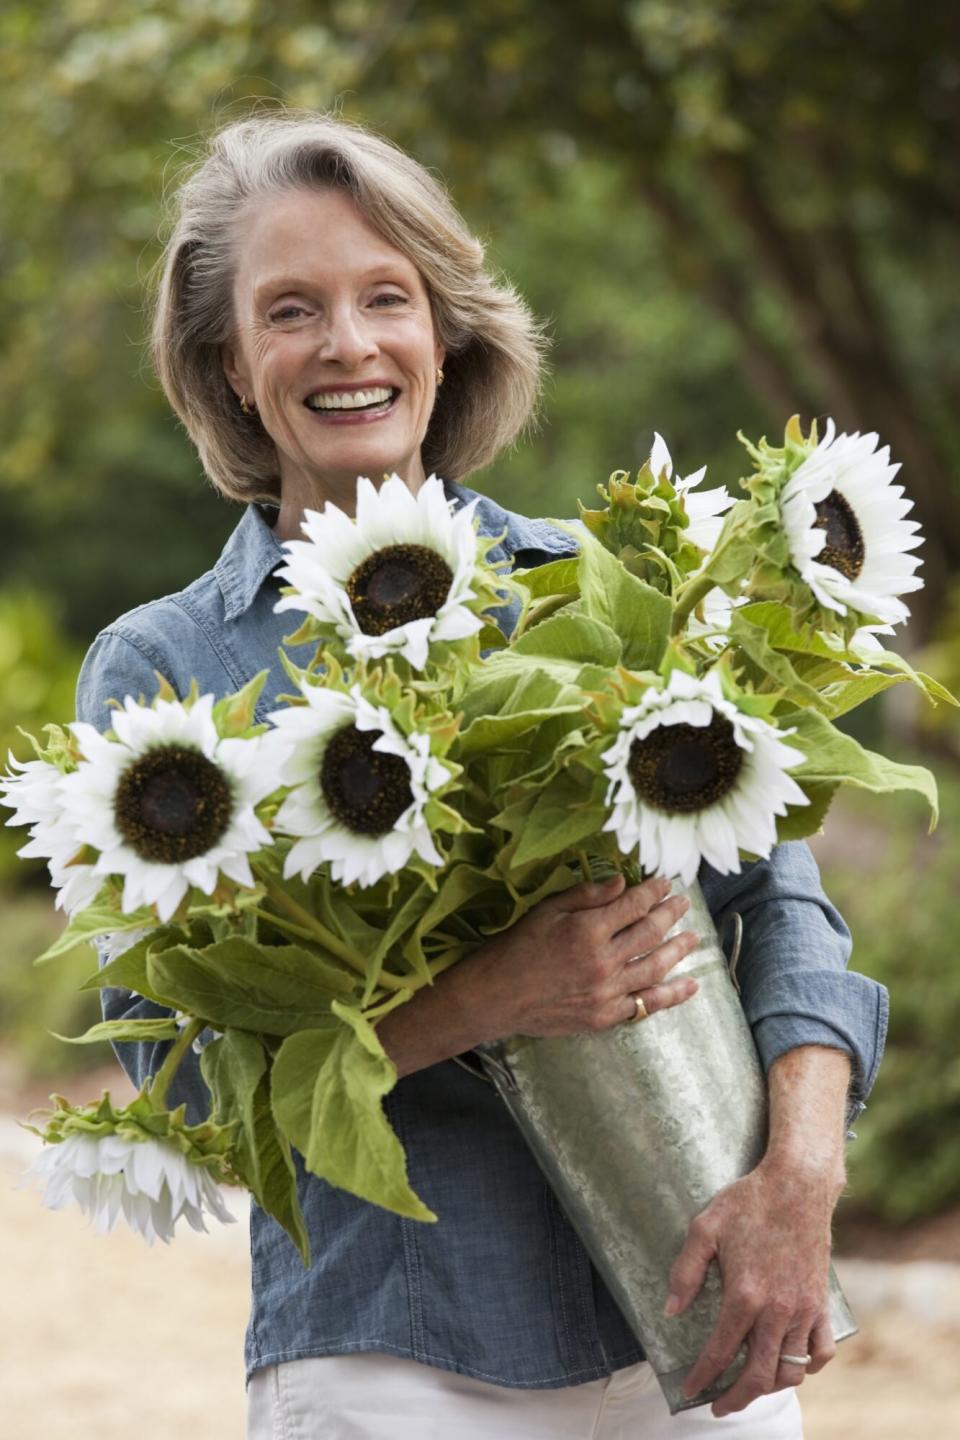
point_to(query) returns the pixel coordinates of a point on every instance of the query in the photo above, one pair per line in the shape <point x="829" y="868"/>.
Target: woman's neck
<point x="299" y="492"/>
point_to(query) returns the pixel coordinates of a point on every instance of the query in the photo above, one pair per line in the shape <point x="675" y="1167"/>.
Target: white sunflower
<point x="150" y="1182"/>
<point x="703" y="509"/>
<point x="168" y="803"/>
<point x="34" y="792"/>
<point x="360" y="787"/>
<point x="694" y="778"/>
<point x="845" y="528"/>
<point x="401" y="576"/>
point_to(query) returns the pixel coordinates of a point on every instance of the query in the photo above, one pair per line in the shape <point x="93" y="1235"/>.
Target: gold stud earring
<point x="439" y="376"/>
<point x="245" y="407"/>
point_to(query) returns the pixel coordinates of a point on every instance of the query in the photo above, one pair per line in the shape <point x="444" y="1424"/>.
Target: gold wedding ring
<point x="641" y="1011"/>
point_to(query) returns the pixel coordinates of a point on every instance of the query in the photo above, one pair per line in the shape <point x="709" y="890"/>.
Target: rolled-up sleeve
<point x="792" y="970"/>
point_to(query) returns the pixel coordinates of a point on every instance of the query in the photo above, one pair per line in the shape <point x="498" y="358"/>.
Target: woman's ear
<point x="235" y="370"/>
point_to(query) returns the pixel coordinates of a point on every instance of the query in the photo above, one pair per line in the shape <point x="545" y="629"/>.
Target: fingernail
<point x="672" y="1305"/>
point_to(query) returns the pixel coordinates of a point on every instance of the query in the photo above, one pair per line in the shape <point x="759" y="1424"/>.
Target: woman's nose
<point x="347" y="338"/>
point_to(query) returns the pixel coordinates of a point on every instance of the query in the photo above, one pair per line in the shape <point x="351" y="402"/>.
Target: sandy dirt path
<point x="104" y="1339"/>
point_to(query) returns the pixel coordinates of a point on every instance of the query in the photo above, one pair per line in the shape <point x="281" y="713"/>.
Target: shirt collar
<point x="251" y="554"/>
<point x="522" y="533"/>
<point x="253" y="551"/>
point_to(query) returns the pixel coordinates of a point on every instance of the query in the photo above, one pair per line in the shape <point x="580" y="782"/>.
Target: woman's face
<point x="326" y="308"/>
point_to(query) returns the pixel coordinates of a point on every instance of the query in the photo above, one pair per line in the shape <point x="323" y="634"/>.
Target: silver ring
<point x="786" y="1359"/>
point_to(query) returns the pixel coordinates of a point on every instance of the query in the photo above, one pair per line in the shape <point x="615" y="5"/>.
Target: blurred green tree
<point x="728" y="210"/>
<point x="38" y="669"/>
<point x="801" y="161"/>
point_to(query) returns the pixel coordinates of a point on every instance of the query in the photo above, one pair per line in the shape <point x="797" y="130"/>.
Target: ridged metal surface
<point x="636" y="1128"/>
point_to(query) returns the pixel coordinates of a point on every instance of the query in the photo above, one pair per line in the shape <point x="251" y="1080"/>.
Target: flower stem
<point x="689" y="598"/>
<point x="299" y="932"/>
<point x="161" y="1082"/>
<point x="315" y="928"/>
<point x="373" y="1013"/>
<point x="544" y="608"/>
<point x="317" y="933"/>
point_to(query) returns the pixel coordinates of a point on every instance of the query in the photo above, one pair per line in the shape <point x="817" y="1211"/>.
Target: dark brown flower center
<point x="365" y="790"/>
<point x="844" y="548"/>
<point x="685" y="768"/>
<point x="172" y="804"/>
<point x="398" y="584"/>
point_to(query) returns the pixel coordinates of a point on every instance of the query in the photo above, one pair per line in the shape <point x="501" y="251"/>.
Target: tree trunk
<point x="861" y="385"/>
<point x="781" y="391"/>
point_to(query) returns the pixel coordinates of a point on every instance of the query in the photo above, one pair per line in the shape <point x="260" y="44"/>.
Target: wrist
<point x="441" y="1020"/>
<point x="475" y="997"/>
<point x="806" y="1169"/>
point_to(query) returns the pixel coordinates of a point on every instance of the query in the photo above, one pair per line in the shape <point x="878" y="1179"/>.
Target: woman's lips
<point x="356" y="417"/>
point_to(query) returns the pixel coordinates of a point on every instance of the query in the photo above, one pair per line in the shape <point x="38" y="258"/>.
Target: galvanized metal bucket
<point x="636" y="1128"/>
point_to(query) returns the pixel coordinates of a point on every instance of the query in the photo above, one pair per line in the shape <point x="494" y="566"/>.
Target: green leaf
<point x="635" y="611"/>
<point x="326" y="1090"/>
<point x="234" y="714"/>
<point x="754" y="641"/>
<point x="776" y="620"/>
<point x="931" y="688"/>
<point x="129" y="969"/>
<point x="273" y="989"/>
<point x="803" y="820"/>
<point x="557" y="577"/>
<point x="235" y="1069"/>
<point x="846" y="695"/>
<point x="108" y="1030"/>
<point x="310" y="630"/>
<point x="568" y="636"/>
<point x="507" y="684"/>
<point x="836" y="758"/>
<point x="457" y="889"/>
<point x="95" y="920"/>
<point x="734" y="552"/>
<point x="563" y="814"/>
<point x="490" y="732"/>
<point x="402" y="918"/>
<point x="491" y="637"/>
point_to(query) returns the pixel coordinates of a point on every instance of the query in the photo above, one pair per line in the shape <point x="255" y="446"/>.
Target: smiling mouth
<point x="345" y="404"/>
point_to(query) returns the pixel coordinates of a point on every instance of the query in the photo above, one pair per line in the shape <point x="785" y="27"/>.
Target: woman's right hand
<point x="576" y="960"/>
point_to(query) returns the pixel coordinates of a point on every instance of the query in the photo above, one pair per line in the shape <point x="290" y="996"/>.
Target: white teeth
<point x="348" y="399"/>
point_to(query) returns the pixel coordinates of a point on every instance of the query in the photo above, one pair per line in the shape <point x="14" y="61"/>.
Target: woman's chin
<point x="334" y="472"/>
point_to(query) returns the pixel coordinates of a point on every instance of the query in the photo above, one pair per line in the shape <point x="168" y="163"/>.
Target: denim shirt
<point x="500" y="1287"/>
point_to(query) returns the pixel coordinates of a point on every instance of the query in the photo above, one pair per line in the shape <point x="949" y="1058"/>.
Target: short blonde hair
<point x="494" y="345"/>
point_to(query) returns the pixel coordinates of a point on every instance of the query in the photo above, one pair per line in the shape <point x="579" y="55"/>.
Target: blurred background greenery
<point x="728" y="211"/>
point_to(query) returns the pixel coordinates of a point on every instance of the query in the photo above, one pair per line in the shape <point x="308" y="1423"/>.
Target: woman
<point x="324" y="313"/>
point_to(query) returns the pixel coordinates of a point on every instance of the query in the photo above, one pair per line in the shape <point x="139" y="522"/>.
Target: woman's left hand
<point x="770" y="1235"/>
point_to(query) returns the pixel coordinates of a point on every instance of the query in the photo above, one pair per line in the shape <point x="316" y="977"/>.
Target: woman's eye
<point x="390" y="298"/>
<point x="287" y="312"/>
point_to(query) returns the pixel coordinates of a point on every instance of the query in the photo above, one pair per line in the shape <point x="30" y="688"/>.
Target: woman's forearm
<point x="438" y="1022"/>
<point x="808" y="1098"/>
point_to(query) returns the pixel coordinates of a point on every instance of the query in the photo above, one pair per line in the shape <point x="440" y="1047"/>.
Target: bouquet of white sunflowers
<point x="668" y="694"/>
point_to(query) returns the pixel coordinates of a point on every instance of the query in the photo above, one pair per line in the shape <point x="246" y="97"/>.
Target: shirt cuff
<point x="840" y="1009"/>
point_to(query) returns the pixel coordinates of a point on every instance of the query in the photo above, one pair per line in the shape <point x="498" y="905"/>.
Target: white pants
<point x="373" y="1396"/>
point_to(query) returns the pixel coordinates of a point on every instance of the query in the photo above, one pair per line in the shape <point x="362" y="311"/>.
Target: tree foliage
<point x="728" y="211"/>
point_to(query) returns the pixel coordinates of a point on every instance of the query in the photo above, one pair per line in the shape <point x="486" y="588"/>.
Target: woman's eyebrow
<point x="279" y="283"/>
